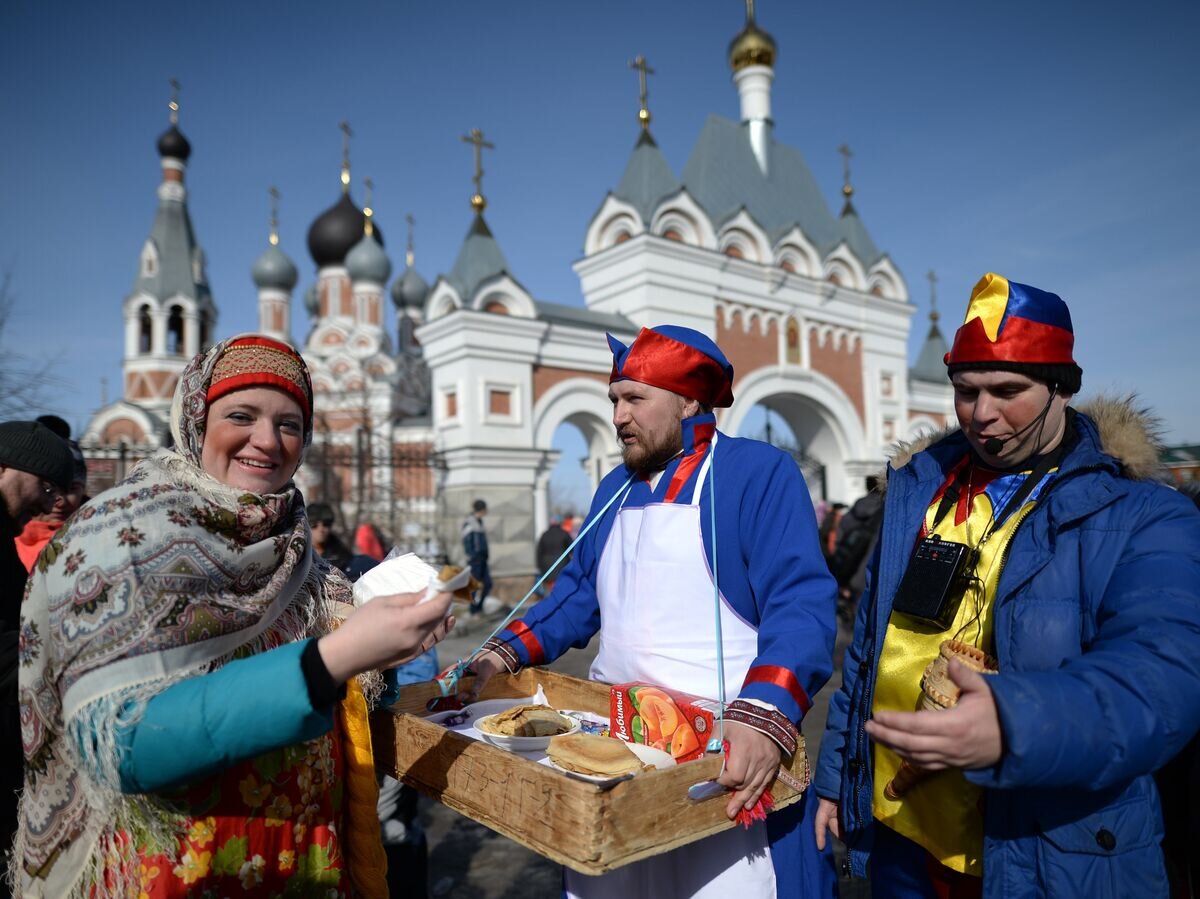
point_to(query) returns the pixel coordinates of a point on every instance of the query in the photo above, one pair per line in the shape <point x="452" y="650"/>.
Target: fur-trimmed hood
<point x="1129" y="432"/>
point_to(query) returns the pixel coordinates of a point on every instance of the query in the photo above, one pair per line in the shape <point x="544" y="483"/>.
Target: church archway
<point x="810" y="417"/>
<point x="575" y="414"/>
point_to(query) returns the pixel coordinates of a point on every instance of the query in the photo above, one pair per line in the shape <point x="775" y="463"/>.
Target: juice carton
<point x="675" y="722"/>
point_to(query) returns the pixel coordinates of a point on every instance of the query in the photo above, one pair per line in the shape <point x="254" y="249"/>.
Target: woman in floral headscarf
<point x="192" y="719"/>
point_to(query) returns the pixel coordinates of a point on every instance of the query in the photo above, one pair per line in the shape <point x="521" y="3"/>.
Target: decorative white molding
<point x="582" y="402"/>
<point x="832" y="335"/>
<point x="743" y="232"/>
<point x="615" y="216"/>
<point x="516" y="403"/>
<point x="441" y="416"/>
<point x="796" y="248"/>
<point x="752" y="317"/>
<point x="683" y="214"/>
<point x="508" y="293"/>
<point x="889" y="281"/>
<point x="122" y="410"/>
<point x="442" y="300"/>
<point x="843" y="263"/>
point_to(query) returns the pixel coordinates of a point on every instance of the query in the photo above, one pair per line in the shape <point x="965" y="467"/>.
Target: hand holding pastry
<point x="967" y="735"/>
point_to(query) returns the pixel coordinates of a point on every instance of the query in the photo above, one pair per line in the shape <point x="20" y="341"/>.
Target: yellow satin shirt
<point x="943" y="813"/>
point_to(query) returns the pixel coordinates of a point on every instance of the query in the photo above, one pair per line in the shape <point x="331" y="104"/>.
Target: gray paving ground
<point x="469" y="861"/>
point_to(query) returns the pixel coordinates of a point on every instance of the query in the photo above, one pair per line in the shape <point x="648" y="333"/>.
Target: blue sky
<point x="1056" y="143"/>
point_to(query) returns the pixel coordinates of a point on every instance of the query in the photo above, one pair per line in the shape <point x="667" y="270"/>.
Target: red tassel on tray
<point x="765" y="803"/>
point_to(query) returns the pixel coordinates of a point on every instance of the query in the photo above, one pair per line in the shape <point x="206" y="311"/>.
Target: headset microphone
<point x="993" y="445"/>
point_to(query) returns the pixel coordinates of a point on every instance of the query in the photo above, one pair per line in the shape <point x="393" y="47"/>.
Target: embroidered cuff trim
<point x="772" y="723"/>
<point x="505" y="652"/>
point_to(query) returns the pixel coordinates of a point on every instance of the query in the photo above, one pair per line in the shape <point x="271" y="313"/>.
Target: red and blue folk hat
<point x="1015" y="327"/>
<point x="678" y="359"/>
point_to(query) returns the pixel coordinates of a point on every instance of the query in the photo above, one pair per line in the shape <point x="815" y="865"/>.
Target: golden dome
<point x="752" y="47"/>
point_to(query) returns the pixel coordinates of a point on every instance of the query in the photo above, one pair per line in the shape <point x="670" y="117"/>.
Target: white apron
<point x="656" y="625"/>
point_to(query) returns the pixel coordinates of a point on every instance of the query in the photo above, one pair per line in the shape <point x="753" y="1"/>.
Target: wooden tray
<point x="570" y="821"/>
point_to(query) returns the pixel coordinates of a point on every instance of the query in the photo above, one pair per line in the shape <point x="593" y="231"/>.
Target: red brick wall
<point x="412" y="475"/>
<point x="546" y="376"/>
<point x="748" y="351"/>
<point x="840" y="365"/>
<point x="500" y="402"/>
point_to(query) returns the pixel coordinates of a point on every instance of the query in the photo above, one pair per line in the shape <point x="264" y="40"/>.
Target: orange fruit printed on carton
<point x="669" y="720"/>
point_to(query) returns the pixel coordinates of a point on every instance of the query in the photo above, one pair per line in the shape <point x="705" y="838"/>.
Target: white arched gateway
<point x="820" y="415"/>
<point x="584" y="404"/>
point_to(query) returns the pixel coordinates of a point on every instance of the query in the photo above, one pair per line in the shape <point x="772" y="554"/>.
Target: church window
<point x="735" y="251"/>
<point x="834" y="279"/>
<point x="673" y="234"/>
<point x="793" y="342"/>
<point x="622" y="236"/>
<point x="145" y="330"/>
<point x="876" y="292"/>
<point x="889" y="429"/>
<point x="788" y="266"/>
<point x="495" y="307"/>
<point x="175" y="331"/>
<point x="204" y="336"/>
<point x="499" y="402"/>
<point x="451" y="404"/>
<point x="887" y="384"/>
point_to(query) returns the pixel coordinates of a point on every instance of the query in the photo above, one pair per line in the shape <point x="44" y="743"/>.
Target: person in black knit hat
<point x="35" y="468"/>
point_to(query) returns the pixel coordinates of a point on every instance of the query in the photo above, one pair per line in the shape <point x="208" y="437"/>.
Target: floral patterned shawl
<point x="165" y="576"/>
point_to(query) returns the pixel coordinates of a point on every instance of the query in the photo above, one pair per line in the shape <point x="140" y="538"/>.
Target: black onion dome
<point x="336" y="230"/>
<point x="172" y="143"/>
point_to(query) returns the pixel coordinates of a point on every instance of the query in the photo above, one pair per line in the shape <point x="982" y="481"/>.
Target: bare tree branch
<point x="24" y="381"/>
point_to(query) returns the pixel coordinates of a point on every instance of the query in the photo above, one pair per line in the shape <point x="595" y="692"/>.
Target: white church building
<point x="467" y="400"/>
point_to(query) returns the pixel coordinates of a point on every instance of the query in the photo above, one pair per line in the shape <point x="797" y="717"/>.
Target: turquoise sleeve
<point x="209" y="722"/>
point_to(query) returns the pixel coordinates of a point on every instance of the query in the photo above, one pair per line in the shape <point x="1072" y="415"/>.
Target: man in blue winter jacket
<point x="1027" y="544"/>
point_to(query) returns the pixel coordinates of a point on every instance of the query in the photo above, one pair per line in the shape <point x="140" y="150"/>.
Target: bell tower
<point x="169" y="315"/>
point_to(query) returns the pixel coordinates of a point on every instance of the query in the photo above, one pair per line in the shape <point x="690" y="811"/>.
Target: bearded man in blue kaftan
<point x="643" y="577"/>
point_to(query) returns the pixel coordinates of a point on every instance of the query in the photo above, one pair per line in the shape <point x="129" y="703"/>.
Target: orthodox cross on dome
<point x="408" y="253"/>
<point x="174" y="104"/>
<point x="346" y="135"/>
<point x="274" y="192"/>
<point x="933" y="313"/>
<point x="844" y="149"/>
<point x="478" y="203"/>
<point x="639" y="63"/>
<point x="368" y="189"/>
<point x="749" y="10"/>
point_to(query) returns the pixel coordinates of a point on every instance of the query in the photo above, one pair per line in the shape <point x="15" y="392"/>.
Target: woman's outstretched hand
<point x="386" y="632"/>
